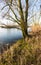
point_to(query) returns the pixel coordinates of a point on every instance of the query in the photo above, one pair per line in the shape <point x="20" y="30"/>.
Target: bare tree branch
<point x="4" y="7"/>
<point x="13" y="13"/>
<point x="21" y="10"/>
<point x="26" y="11"/>
<point x="14" y="20"/>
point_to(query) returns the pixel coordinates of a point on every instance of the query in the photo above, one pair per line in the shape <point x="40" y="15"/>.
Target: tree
<point x="20" y="11"/>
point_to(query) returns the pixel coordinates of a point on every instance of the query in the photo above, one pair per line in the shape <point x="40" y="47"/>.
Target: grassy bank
<point x="24" y="52"/>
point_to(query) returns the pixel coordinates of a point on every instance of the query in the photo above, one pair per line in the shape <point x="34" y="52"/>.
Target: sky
<point x="32" y="10"/>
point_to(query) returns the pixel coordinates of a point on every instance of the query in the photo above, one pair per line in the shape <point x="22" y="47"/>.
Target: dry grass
<point x="24" y="52"/>
<point x="36" y="28"/>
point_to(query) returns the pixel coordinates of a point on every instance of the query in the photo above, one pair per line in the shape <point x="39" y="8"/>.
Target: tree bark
<point x="24" y="32"/>
<point x="24" y="29"/>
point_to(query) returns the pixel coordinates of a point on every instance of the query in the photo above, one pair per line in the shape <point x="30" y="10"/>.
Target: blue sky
<point x="36" y="9"/>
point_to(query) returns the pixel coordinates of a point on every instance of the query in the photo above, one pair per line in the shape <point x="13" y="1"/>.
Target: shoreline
<point x="4" y="46"/>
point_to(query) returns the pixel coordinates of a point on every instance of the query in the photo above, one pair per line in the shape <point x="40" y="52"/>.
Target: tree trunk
<point x="25" y="34"/>
<point x="24" y="29"/>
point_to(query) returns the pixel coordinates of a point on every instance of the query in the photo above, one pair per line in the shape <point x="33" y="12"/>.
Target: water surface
<point x="9" y="35"/>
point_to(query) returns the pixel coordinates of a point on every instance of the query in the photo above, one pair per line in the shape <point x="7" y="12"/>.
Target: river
<point x="9" y="35"/>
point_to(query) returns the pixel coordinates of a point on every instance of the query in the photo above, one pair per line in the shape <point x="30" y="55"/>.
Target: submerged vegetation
<point x="24" y="52"/>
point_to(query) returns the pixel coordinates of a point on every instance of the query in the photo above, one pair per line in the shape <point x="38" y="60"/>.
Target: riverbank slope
<point x="23" y="52"/>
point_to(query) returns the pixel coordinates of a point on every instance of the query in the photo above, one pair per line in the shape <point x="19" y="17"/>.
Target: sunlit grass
<point x="24" y="52"/>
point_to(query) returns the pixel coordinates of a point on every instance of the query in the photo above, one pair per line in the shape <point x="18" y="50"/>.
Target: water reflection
<point x="9" y="35"/>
